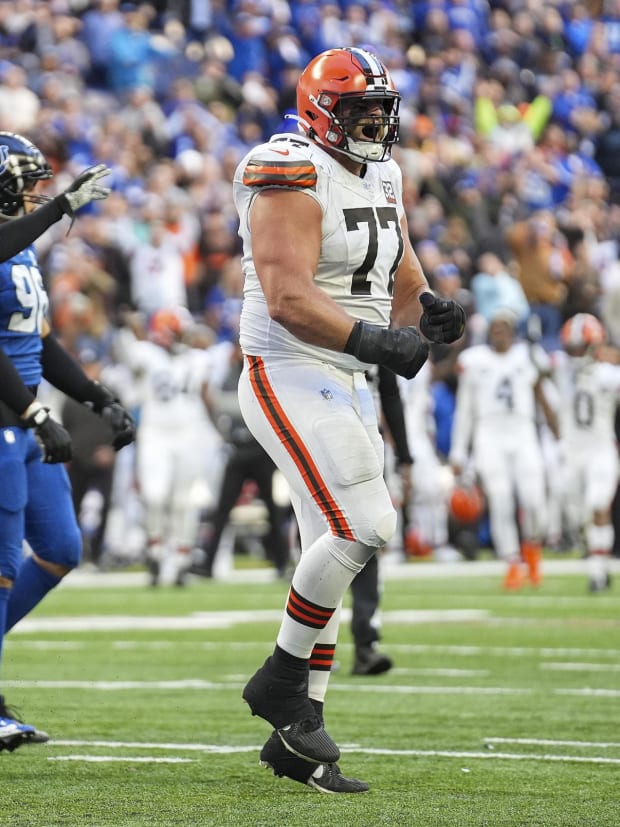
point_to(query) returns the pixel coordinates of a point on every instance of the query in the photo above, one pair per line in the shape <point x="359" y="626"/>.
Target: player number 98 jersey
<point x="23" y="307"/>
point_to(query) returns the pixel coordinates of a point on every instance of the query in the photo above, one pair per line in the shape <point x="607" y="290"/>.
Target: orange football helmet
<point x="168" y="326"/>
<point x="335" y="97"/>
<point x="466" y="503"/>
<point x="582" y="331"/>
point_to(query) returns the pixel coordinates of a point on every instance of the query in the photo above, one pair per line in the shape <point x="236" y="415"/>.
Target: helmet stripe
<point x="372" y="68"/>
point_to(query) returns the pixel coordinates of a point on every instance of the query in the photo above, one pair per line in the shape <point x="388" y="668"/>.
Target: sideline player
<point x="171" y="473"/>
<point x="35" y="497"/>
<point x="589" y="390"/>
<point x="500" y="385"/>
<point x="332" y="285"/>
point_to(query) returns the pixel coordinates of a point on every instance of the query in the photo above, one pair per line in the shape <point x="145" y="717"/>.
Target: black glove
<point x="55" y="442"/>
<point x="443" y="320"/>
<point x="84" y="189"/>
<point x="104" y="403"/>
<point x="402" y="349"/>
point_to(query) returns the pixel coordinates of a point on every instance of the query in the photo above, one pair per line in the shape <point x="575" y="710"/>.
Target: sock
<point x="301" y="625"/>
<point x="31" y="585"/>
<point x="599" y="538"/>
<point x="318" y="707"/>
<point x="4" y="602"/>
<point x="284" y="660"/>
<point x="321" y="578"/>
<point x="322" y="659"/>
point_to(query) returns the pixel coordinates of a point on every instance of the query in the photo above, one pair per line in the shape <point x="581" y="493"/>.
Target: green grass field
<point x="502" y="709"/>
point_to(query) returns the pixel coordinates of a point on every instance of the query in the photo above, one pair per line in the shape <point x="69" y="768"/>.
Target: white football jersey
<point x="170" y="385"/>
<point x="495" y="397"/>
<point x="361" y="248"/>
<point x="589" y="392"/>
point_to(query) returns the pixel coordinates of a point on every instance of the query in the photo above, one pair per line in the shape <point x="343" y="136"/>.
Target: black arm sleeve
<point x="392" y="407"/>
<point x="63" y="371"/>
<point x="13" y="392"/>
<point x="19" y="233"/>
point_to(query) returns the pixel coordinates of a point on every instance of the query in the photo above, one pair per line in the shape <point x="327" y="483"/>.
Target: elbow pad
<point x="402" y="350"/>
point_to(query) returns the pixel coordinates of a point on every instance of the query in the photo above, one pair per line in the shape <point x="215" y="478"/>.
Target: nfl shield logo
<point x="388" y="191"/>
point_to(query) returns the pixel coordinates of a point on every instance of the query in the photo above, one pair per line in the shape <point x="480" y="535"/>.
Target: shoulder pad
<point x="280" y="163"/>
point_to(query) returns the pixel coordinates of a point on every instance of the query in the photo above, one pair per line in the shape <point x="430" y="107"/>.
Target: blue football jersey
<point x="23" y="306"/>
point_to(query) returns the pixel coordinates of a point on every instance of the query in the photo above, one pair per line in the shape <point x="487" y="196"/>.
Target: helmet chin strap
<point x="366" y="150"/>
<point x="363" y="150"/>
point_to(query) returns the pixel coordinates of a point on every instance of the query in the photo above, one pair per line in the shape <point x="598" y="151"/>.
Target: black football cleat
<point x="324" y="778"/>
<point x="281" y="698"/>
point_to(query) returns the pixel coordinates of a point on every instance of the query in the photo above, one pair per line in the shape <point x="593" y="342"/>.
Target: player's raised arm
<point x="29" y="214"/>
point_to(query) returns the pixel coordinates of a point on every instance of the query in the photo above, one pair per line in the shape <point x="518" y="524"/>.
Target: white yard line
<point x="509" y="756"/>
<point x="581" y="667"/>
<point x="502" y="651"/>
<point x="219" y="620"/>
<point x="549" y="742"/>
<point x="107" y="759"/>
<point x="413" y="753"/>
<point x="211" y="748"/>
<point x="410" y="648"/>
<point x="335" y="686"/>
<point x="444" y="673"/>
<point x="392" y="568"/>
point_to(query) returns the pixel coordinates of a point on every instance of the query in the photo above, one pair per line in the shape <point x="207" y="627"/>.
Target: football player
<point x="170" y="470"/>
<point x="332" y="285"/>
<point x="589" y="392"/>
<point x="35" y="497"/>
<point x="500" y="385"/>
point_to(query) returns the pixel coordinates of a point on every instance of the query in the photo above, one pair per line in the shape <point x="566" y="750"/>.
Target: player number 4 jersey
<point x="362" y="243"/>
<point x="495" y="396"/>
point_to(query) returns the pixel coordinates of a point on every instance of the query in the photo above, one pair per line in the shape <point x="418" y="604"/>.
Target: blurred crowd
<point x="510" y="151"/>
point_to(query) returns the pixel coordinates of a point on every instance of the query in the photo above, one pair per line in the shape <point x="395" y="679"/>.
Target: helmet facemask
<point x="362" y="127"/>
<point x="369" y="125"/>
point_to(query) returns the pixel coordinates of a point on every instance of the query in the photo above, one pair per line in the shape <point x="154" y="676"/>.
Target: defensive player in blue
<point x="35" y="496"/>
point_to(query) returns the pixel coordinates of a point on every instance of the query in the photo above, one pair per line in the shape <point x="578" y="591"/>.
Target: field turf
<point x="502" y="710"/>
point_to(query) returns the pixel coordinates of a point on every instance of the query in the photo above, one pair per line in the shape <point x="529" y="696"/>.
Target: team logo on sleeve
<point x="388" y="191"/>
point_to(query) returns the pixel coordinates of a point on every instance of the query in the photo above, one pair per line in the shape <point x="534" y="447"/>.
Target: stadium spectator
<point x="545" y="266"/>
<point x="19" y="105"/>
<point x="157" y="270"/>
<point x="493" y="287"/>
